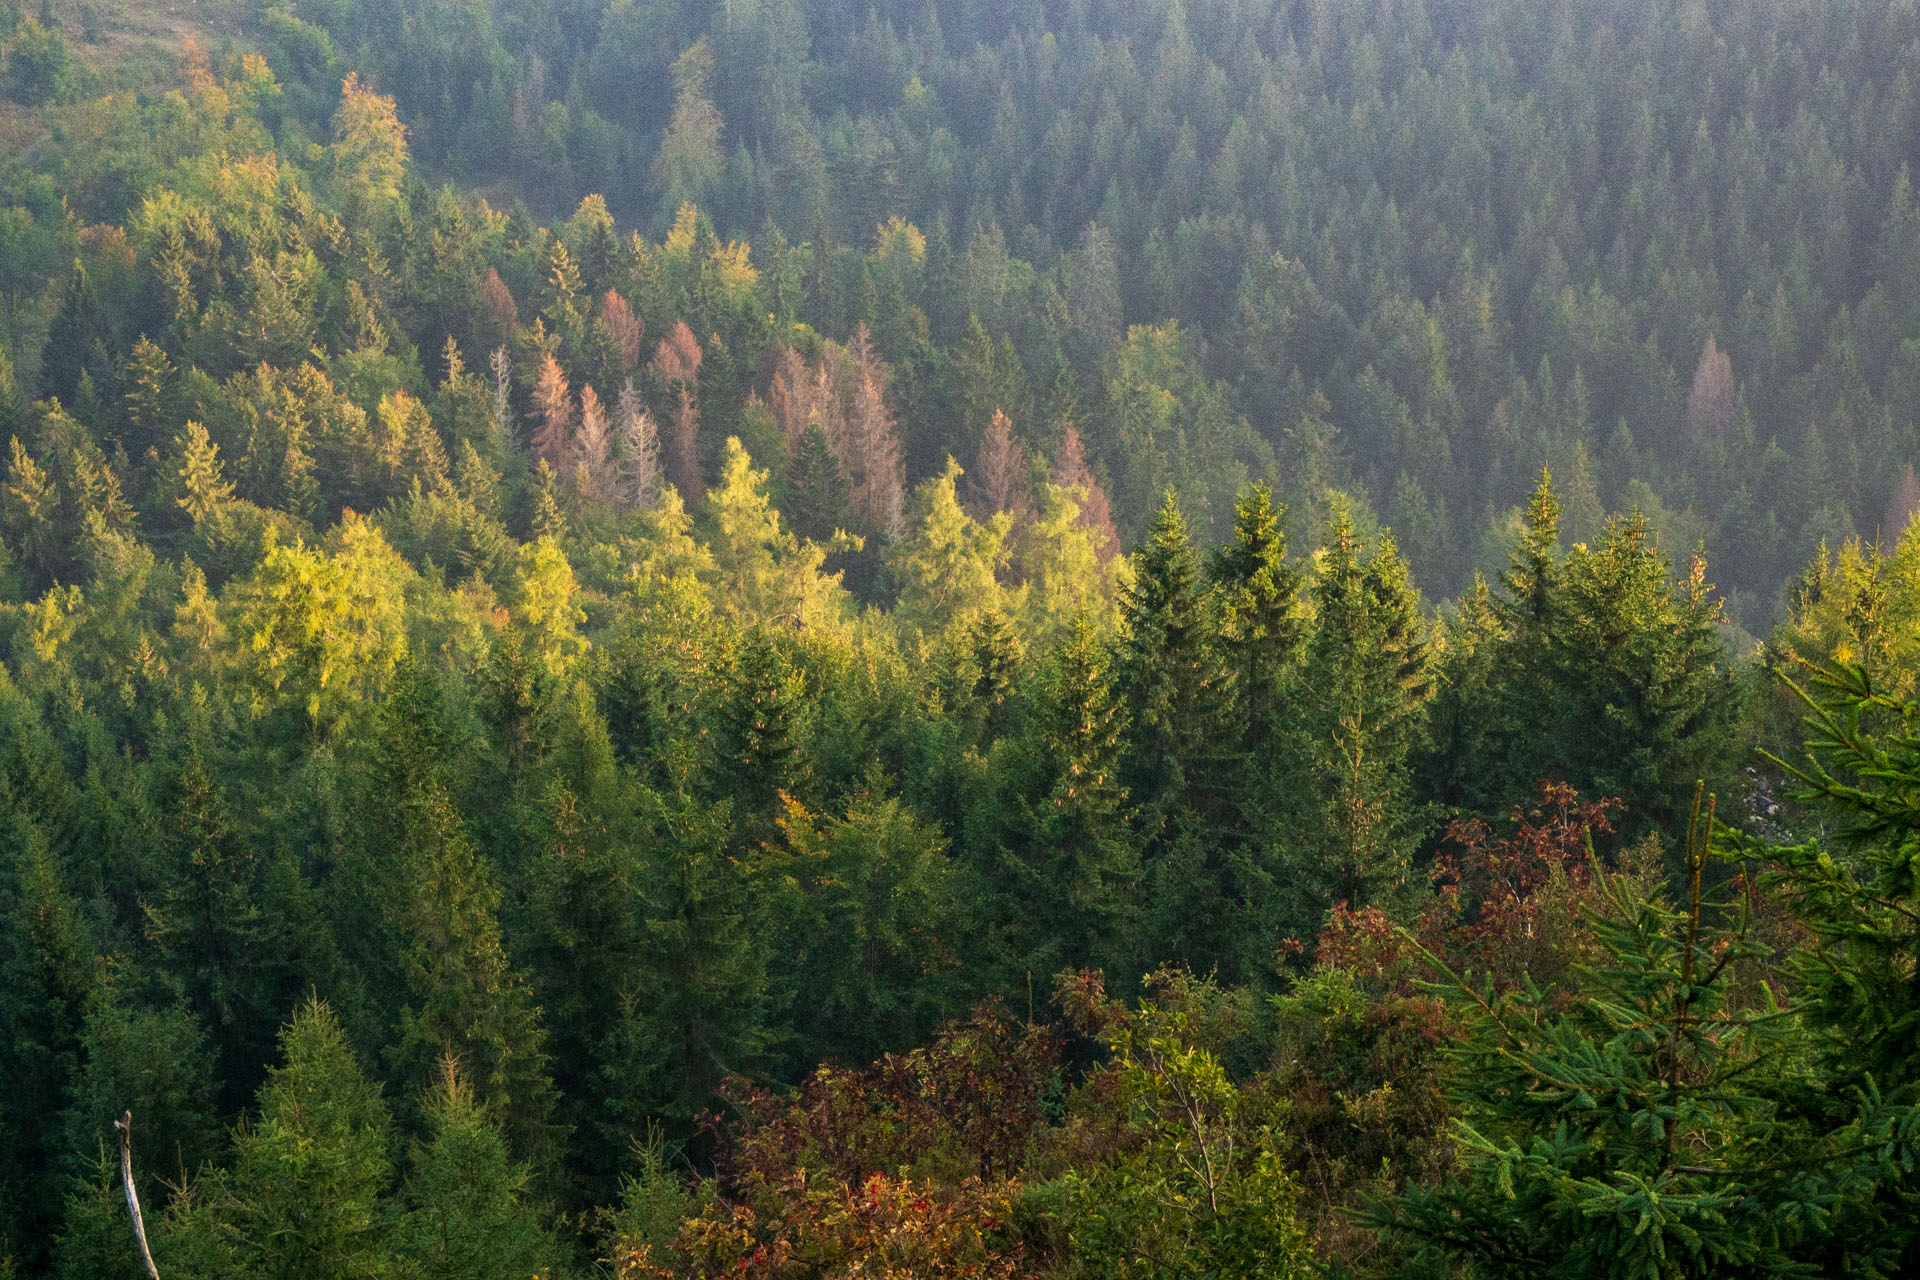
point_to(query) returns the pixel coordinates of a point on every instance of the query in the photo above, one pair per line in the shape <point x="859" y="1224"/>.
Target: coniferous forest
<point x="1062" y="639"/>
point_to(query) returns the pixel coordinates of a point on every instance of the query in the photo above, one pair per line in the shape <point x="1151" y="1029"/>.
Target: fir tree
<point x="592" y="448"/>
<point x="1067" y="861"/>
<point x="638" y="477"/>
<point x="77" y="342"/>
<point x="150" y="389"/>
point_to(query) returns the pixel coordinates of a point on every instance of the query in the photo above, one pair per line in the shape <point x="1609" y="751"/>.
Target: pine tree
<point x="204" y="490"/>
<point x="623" y="329"/>
<point x="561" y="305"/>
<point x="150" y="382"/>
<point x="1170" y="675"/>
<point x="499" y="318"/>
<point x="206" y="921"/>
<point x="757" y="753"/>
<point x="77" y="342"/>
<point x="676" y="363"/>
<point x="13" y="401"/>
<point x="792" y="398"/>
<point x="1063" y="574"/>
<point x="46" y="978"/>
<point x="460" y="996"/>
<point x="549" y="518"/>
<point x="998" y="654"/>
<point x="999" y="480"/>
<point x="1362" y="690"/>
<point x="502" y="407"/>
<point x="1712" y="402"/>
<point x="31" y="509"/>
<point x="1259" y="626"/>
<point x="946" y="567"/>
<point x="1737" y="1136"/>
<point x="1063" y="854"/>
<point x="1642" y="696"/>
<point x="1902" y="506"/>
<point x="1070" y="471"/>
<point x="879" y="481"/>
<point x="699" y="1015"/>
<point x="773" y="576"/>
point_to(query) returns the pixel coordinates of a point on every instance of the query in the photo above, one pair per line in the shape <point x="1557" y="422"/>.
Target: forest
<point x="1043" y="639"/>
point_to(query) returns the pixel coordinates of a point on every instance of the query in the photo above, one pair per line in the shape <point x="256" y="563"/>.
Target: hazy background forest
<point x="1033" y="639"/>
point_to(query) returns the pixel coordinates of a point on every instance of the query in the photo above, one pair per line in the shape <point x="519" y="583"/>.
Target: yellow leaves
<point x="52" y="621"/>
<point x="731" y="260"/>
<point x="679" y="242"/>
<point x="369" y="142"/>
<point x="767" y="574"/>
<point x="322" y="625"/>
<point x="545" y="606"/>
<point x="897" y="239"/>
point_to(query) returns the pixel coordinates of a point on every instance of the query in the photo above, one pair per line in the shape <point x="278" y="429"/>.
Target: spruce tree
<point x="756" y="744"/>
<point x="1361" y="690"/>
<point x="821" y="497"/>
<point x="310" y="1175"/>
<point x="1062" y="853"/>
<point x="1171" y="678"/>
<point x="77" y="342"/>
<point x="1259" y="624"/>
<point x="469" y="1214"/>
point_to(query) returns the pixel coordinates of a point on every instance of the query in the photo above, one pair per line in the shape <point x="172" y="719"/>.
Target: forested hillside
<point x="1058" y="641"/>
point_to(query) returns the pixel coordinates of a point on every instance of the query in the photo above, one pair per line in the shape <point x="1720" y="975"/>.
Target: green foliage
<point x="37" y="65"/>
<point x="1594" y="666"/>
<point x="1351" y="818"/>
<point x="1201" y="1189"/>
<point x="467" y="1212"/>
<point x="304" y="1198"/>
<point x="581" y="800"/>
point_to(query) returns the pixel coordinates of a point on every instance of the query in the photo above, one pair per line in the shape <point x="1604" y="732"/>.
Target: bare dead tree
<point x="125" y="1125"/>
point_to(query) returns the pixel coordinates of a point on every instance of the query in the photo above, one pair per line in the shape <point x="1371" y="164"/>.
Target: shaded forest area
<point x="851" y="686"/>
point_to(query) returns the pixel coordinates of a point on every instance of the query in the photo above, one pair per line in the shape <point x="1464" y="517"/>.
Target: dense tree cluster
<point x="527" y="749"/>
<point x="1411" y="249"/>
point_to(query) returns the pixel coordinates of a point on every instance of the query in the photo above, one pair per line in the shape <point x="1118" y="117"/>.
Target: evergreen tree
<point x="1260" y="629"/>
<point x="309" y="1176"/>
<point x="459" y="996"/>
<point x="1362" y="689"/>
<point x="468" y="1215"/>
<point x="150" y="380"/>
<point x="1064" y="856"/>
<point x="637" y="475"/>
<point x="1170" y="675"/>
<point x="945" y="569"/>
<point x="821" y="500"/>
<point x="757" y="753"/>
<point x="46" y="961"/>
<point x="13" y="400"/>
<point x="553" y="415"/>
<point x="77" y="343"/>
